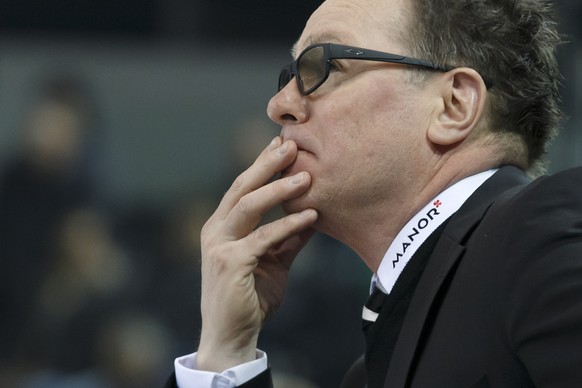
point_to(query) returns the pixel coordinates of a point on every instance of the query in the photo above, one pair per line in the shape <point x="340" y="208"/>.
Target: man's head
<point x="511" y="42"/>
<point x="358" y="132"/>
<point x="380" y="139"/>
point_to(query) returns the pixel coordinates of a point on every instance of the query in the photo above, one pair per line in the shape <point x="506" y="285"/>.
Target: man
<point x="418" y="166"/>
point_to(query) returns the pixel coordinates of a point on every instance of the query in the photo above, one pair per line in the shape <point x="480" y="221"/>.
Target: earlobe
<point x="463" y="95"/>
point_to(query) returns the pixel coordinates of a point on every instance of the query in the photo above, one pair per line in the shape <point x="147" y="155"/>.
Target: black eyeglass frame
<point x="337" y="51"/>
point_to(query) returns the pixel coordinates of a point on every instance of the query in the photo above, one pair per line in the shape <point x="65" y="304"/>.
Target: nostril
<point x="288" y="117"/>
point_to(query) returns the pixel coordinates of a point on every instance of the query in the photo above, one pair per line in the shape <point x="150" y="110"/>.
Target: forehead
<point x="374" y="24"/>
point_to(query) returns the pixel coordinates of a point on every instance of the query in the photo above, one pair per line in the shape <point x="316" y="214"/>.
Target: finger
<point x="279" y="231"/>
<point x="287" y="251"/>
<point x="272" y="160"/>
<point x="249" y="210"/>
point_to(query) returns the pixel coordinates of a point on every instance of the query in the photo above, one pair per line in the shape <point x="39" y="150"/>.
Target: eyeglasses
<point x="312" y="66"/>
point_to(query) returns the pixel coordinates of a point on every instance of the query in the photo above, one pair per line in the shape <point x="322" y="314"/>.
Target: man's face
<point x="360" y="134"/>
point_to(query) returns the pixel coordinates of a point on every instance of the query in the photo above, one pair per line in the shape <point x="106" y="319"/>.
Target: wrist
<point x="218" y="356"/>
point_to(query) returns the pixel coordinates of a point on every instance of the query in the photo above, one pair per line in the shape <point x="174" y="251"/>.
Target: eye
<point x="334" y="66"/>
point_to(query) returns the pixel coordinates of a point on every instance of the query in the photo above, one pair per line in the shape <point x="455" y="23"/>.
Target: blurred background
<point x="122" y="122"/>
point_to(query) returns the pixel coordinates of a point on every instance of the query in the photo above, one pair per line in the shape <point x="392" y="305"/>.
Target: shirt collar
<point x="419" y="227"/>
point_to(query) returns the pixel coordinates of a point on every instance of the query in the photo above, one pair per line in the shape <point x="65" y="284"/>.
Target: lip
<point x="304" y="148"/>
<point x="299" y="143"/>
<point x="301" y="163"/>
<point x="299" y="140"/>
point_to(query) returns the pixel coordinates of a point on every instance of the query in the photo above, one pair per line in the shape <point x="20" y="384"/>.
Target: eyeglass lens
<point x="311" y="69"/>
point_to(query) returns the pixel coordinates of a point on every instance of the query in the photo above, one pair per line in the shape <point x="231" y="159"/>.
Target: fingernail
<point x="284" y="147"/>
<point x="296" y="179"/>
<point x="273" y="144"/>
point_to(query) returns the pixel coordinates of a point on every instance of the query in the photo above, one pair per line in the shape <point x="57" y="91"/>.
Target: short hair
<point x="513" y="44"/>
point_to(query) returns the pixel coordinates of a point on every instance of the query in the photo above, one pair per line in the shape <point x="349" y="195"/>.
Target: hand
<point x="245" y="270"/>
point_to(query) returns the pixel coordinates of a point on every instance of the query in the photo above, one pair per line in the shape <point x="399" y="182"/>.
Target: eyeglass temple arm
<point x="348" y="52"/>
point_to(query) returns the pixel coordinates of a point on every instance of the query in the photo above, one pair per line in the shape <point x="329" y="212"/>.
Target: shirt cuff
<point x="187" y="376"/>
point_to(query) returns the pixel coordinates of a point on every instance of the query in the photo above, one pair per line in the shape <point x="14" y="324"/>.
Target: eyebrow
<point x="325" y="37"/>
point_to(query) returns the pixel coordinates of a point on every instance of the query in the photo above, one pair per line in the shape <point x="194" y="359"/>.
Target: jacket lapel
<point x="444" y="259"/>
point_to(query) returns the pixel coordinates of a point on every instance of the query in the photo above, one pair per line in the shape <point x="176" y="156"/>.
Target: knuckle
<point x="238" y="183"/>
<point x="220" y="265"/>
<point x="288" y="221"/>
<point x="244" y="206"/>
<point x="263" y="233"/>
<point x="219" y="260"/>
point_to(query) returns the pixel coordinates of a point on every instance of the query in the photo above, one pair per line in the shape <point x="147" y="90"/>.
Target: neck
<point x="369" y="230"/>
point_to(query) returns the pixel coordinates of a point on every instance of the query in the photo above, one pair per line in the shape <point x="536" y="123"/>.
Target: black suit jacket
<point x="499" y="303"/>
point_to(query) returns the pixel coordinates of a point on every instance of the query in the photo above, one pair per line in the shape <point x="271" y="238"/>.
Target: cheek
<point x="359" y="126"/>
<point x="344" y="119"/>
<point x="345" y="133"/>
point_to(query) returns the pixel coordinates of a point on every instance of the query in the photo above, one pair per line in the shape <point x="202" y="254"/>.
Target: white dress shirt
<point x="187" y="376"/>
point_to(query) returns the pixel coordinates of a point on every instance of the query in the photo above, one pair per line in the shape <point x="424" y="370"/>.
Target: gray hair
<point x="510" y="42"/>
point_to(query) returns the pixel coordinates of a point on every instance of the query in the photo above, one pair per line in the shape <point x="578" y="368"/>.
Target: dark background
<point x="213" y="20"/>
<point x="99" y="282"/>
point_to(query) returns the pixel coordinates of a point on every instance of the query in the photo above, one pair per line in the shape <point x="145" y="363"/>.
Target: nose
<point x="288" y="107"/>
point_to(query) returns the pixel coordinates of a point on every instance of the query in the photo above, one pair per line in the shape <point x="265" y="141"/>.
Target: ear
<point x="462" y="95"/>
